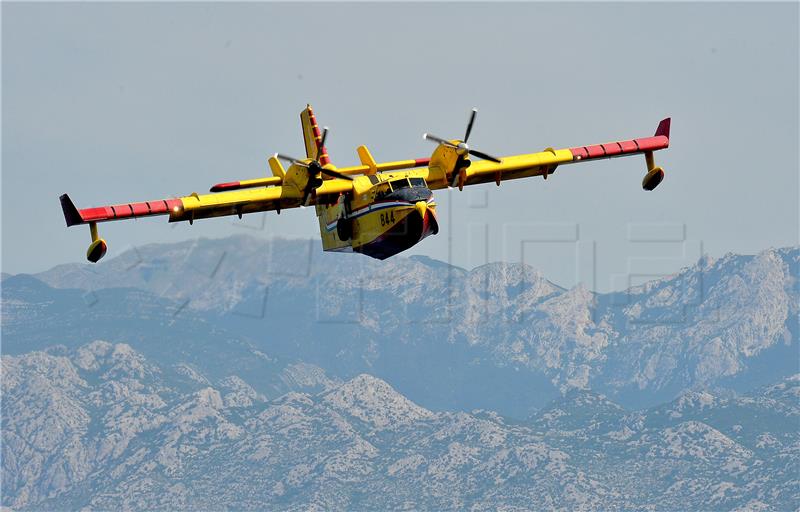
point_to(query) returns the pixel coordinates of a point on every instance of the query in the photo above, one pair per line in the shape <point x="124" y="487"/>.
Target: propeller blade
<point x="336" y="174"/>
<point x="291" y="160"/>
<point x="480" y="154"/>
<point x="322" y="142"/>
<point x="463" y="145"/>
<point x="471" y="122"/>
<point x="434" y="138"/>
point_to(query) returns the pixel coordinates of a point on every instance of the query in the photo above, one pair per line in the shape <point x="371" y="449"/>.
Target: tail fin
<point x="312" y="136"/>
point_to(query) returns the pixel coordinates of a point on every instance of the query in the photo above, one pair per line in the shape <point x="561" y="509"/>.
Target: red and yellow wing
<point x="545" y="162"/>
<point x="200" y="206"/>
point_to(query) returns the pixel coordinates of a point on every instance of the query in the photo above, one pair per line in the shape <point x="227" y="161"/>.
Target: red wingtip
<point x="663" y="127"/>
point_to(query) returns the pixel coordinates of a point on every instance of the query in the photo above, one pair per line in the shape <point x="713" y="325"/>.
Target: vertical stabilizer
<point x="312" y="136"/>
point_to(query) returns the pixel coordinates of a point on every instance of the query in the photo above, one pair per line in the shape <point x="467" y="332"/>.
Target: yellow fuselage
<point x="386" y="213"/>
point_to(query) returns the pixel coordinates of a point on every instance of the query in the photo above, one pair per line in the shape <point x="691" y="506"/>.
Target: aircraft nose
<point x="421" y="207"/>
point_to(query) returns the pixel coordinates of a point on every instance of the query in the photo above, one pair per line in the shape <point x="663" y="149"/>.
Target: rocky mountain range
<point x="246" y="373"/>
<point x="103" y="427"/>
<point x="449" y="338"/>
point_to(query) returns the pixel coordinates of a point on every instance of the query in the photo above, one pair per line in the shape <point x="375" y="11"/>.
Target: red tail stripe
<point x="321" y="151"/>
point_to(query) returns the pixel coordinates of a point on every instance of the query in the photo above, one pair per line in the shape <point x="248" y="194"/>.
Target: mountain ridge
<point x="130" y="434"/>
<point x="718" y="323"/>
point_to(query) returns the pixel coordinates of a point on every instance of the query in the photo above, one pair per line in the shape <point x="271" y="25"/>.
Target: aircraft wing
<point x="545" y="162"/>
<point x="236" y="202"/>
<point x="252" y="200"/>
<point x="200" y="206"/>
<point x="514" y="167"/>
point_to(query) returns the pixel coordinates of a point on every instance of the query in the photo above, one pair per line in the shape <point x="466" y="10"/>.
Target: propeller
<point x="314" y="168"/>
<point x="462" y="146"/>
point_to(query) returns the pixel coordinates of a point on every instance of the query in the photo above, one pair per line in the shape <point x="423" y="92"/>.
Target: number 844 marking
<point x="387" y="218"/>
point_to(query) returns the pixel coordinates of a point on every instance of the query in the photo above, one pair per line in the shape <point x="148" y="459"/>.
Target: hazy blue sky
<point x="122" y="102"/>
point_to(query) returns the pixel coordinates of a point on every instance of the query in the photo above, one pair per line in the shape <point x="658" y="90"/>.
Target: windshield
<point x="417" y="182"/>
<point x="398" y="184"/>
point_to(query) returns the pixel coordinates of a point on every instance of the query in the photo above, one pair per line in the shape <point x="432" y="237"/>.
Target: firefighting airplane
<point x="376" y="209"/>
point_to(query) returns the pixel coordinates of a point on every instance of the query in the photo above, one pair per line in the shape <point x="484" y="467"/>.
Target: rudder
<point x="312" y="136"/>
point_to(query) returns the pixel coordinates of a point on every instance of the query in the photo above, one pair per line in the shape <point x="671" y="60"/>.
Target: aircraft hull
<point x="409" y="230"/>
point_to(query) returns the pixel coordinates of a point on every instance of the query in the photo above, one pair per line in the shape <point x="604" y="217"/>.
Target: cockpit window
<point x="417" y="182"/>
<point x="382" y="190"/>
<point x="398" y="184"/>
